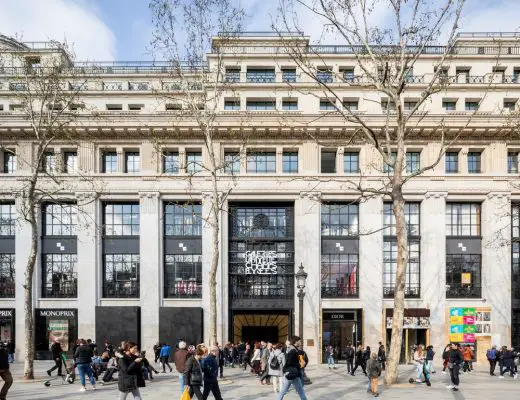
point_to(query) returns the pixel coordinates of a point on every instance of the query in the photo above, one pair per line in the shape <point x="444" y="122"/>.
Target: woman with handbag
<point x="193" y="373"/>
<point x="130" y="372"/>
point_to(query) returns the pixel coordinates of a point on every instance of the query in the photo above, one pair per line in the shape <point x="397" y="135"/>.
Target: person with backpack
<point x="275" y="366"/>
<point x="349" y="355"/>
<point x="292" y="370"/>
<point x="374" y="370"/>
<point x="491" y="356"/>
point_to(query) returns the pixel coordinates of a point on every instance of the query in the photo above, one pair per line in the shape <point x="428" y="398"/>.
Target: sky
<point x="107" y="30"/>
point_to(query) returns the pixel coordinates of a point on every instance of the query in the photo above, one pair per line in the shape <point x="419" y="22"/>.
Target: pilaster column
<point x="307" y="247"/>
<point x="371" y="269"/>
<point x="433" y="264"/>
<point x="151" y="287"/>
<point x="88" y="266"/>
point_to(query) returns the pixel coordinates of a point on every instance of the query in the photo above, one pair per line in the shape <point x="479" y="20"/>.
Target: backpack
<point x="350" y="352"/>
<point x="491" y="355"/>
<point x="275" y="363"/>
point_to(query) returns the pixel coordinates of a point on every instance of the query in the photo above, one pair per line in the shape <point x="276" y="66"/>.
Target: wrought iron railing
<point x="183" y="289"/>
<point x="262" y="289"/>
<point x="7" y="289"/>
<point x="64" y="289"/>
<point x="342" y="291"/>
<point x="121" y="289"/>
<point x="410" y="291"/>
<point x="463" y="291"/>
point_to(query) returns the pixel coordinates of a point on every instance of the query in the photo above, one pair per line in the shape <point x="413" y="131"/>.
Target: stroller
<point x="70" y="375"/>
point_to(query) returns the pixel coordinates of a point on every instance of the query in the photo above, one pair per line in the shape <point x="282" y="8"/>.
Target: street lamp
<point x="301" y="278"/>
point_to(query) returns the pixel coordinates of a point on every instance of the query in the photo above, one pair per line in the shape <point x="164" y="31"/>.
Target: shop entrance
<point x="340" y="328"/>
<point x="269" y="327"/>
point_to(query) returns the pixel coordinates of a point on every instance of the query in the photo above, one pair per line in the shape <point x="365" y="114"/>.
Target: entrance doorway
<point x="259" y="333"/>
<point x="411" y="338"/>
<point x="274" y="328"/>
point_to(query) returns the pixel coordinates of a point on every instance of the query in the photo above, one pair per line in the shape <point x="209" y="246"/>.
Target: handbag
<point x="186" y="394"/>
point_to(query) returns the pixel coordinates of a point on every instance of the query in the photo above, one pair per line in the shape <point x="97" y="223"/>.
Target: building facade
<point x="125" y="250"/>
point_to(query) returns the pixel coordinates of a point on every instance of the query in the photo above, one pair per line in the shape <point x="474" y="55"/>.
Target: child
<point x="373" y="371"/>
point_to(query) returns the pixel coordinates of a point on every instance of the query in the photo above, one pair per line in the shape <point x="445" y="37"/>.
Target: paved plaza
<point x="327" y="385"/>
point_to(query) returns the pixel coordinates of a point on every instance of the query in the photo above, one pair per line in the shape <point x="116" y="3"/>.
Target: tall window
<point x="327" y="105"/>
<point x="183" y="275"/>
<point x="351" y="162"/>
<point x="183" y="219"/>
<point x="7" y="219"/>
<point x="339" y="219"/>
<point x="339" y="275"/>
<point x="59" y="275"/>
<point x="289" y="75"/>
<point x="515" y="256"/>
<point x="328" y="161"/>
<point x="232" y="162"/>
<point x="463" y="219"/>
<point x="290" y="162"/>
<point x="7" y="275"/>
<point x="50" y="164"/>
<point x="260" y="105"/>
<point x="60" y="220"/>
<point x="132" y="162"/>
<point x="109" y="162"/>
<point x="261" y="162"/>
<point x="413" y="161"/>
<point x="171" y="162"/>
<point x="71" y="162"/>
<point x="474" y="162"/>
<point x="463" y="275"/>
<point x="193" y="162"/>
<point x="512" y="162"/>
<point x="452" y="162"/>
<point x="121" y="219"/>
<point x="9" y="162"/>
<point x="411" y="215"/>
<point x="121" y="275"/>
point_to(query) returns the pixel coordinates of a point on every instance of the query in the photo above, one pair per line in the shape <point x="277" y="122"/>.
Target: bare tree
<point x="183" y="33"/>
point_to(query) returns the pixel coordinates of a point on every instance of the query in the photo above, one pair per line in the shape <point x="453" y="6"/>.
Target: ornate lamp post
<point x="301" y="278"/>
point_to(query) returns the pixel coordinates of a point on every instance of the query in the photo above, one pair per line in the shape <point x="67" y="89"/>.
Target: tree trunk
<point x="214" y="223"/>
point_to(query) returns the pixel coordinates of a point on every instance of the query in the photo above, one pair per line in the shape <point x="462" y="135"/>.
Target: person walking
<point x="210" y="369"/>
<point x="246" y="357"/>
<point x="255" y="361"/>
<point x="5" y="373"/>
<point x="179" y="359"/>
<point x="292" y="371"/>
<point x="165" y="357"/>
<point x="429" y="359"/>
<point x="157" y="352"/>
<point x="359" y="361"/>
<point x="275" y="366"/>
<point x="374" y="370"/>
<point x="130" y="378"/>
<point x="329" y="355"/>
<point x="507" y="363"/>
<point x="56" y="356"/>
<point x="349" y="355"/>
<point x="491" y="356"/>
<point x="445" y="357"/>
<point x="221" y="360"/>
<point x="264" y="361"/>
<point x="381" y="356"/>
<point x="83" y="356"/>
<point x="193" y="372"/>
<point x="467" y="354"/>
<point x="419" y="357"/>
<point x="454" y="361"/>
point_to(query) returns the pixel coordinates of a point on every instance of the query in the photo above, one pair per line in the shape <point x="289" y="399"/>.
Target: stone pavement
<point x="327" y="385"/>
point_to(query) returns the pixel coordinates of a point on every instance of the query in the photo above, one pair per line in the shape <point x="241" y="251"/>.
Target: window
<point x="463" y="219"/>
<point x="7" y="275"/>
<point x="463" y="275"/>
<point x="109" y="162"/>
<point x="409" y="76"/>
<point x="351" y="162"/>
<point x="71" y="162"/>
<point x="260" y="75"/>
<point x="327" y="105"/>
<point x="10" y="164"/>
<point x="121" y="219"/>
<point x="324" y="76"/>
<point x="348" y="75"/>
<point x="17" y="86"/>
<point x="268" y="222"/>
<point x="351" y="105"/>
<point x="411" y="215"/>
<point x="413" y="161"/>
<point x="232" y="162"/>
<point x="339" y="219"/>
<point x="193" y="162"/>
<point x="339" y="275"/>
<point x="232" y="75"/>
<point x="59" y="275"/>
<point x="261" y="162"/>
<point x="121" y="275"/>
<point x="60" y="220"/>
<point x="413" y="272"/>
<point x="449" y="105"/>
<point x="135" y="107"/>
<point x="387" y="168"/>
<point x="409" y="105"/>
<point x="471" y="106"/>
<point x="451" y="162"/>
<point x="515" y="221"/>
<point x="182" y="219"/>
<point x="510" y="105"/>
<point x="387" y="106"/>
<point x="132" y="162"/>
<point x="183" y="275"/>
<point x="114" y="107"/>
<point x="171" y="162"/>
<point x="261" y="105"/>
<point x="290" y="105"/>
<point x="474" y="162"/>
<point x="7" y="219"/>
<point x="232" y="105"/>
<point x="512" y="162"/>
<point x="289" y="75"/>
<point x="173" y="107"/>
<point x="328" y="161"/>
<point x="50" y="162"/>
<point x="1" y="107"/>
<point x="290" y="162"/>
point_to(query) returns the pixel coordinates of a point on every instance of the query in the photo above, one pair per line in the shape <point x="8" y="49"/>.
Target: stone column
<point x="307" y="252"/>
<point x="150" y="272"/>
<point x="88" y="267"/>
<point x="371" y="269"/>
<point x="496" y="263"/>
<point x="433" y="264"/>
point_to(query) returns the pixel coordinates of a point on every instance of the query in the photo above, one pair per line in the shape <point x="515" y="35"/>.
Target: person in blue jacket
<point x="165" y="357"/>
<point x="210" y="369"/>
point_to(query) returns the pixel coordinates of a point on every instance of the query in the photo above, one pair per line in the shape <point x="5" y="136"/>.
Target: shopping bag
<point x="186" y="394"/>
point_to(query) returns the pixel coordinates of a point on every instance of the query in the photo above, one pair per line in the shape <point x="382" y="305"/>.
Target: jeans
<point x="350" y="365"/>
<point x="181" y="382"/>
<point x="10" y="358"/>
<point x="330" y="361"/>
<point x="419" y="369"/>
<point x="84" y="369"/>
<point x="298" y="385"/>
<point x="454" y="374"/>
<point x="164" y="362"/>
<point x="135" y="392"/>
<point x="5" y="374"/>
<point x="506" y="368"/>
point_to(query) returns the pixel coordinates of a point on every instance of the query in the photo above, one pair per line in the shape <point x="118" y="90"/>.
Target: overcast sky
<point x="106" y="30"/>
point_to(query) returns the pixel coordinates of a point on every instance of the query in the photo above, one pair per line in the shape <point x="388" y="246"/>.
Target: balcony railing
<point x="64" y="289"/>
<point x="258" y="289"/>
<point x="121" y="289"/>
<point x="410" y="291"/>
<point x="343" y="291"/>
<point x="7" y="289"/>
<point x="463" y="291"/>
<point x="183" y="289"/>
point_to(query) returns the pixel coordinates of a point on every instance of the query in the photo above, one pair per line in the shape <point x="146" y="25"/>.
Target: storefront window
<point x="261" y="223"/>
<point x="59" y="275"/>
<point x="7" y="324"/>
<point x="340" y="327"/>
<point x="339" y="275"/>
<point x="183" y="275"/>
<point x="121" y="275"/>
<point x="463" y="275"/>
<point x="7" y="275"/>
<point x="52" y="325"/>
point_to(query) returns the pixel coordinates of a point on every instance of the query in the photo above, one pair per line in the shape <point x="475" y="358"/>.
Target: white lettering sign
<point x="261" y="263"/>
<point x="6" y="313"/>
<point x="60" y="313"/>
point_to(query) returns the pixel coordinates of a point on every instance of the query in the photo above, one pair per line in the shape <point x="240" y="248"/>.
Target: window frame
<point x="132" y="228"/>
<point x="109" y="158"/>
<point x="332" y="215"/>
<point x="290" y="160"/>
<point x="449" y="162"/>
<point x="476" y="163"/>
<point x="194" y="162"/>
<point x="170" y="166"/>
<point x="132" y="162"/>
<point x="252" y="158"/>
<point x="347" y="160"/>
<point x="456" y="226"/>
<point x="59" y="220"/>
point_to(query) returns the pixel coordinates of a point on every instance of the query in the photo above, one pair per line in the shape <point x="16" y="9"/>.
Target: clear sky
<point x="106" y="30"/>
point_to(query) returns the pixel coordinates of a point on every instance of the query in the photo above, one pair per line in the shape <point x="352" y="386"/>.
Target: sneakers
<point x="501" y="377"/>
<point x="83" y="389"/>
<point x="93" y="388"/>
<point x="515" y="376"/>
<point x="455" y="388"/>
<point x="444" y="372"/>
<point x="450" y="386"/>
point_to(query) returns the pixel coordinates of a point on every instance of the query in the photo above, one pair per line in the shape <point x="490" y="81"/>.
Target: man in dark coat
<point x="56" y="356"/>
<point x="210" y="369"/>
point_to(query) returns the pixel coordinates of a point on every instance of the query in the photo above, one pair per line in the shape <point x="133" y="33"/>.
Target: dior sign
<point x="261" y="263"/>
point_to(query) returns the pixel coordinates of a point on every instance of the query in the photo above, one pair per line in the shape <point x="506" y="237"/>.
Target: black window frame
<point x="232" y="105"/>
<point x="456" y="229"/>
<point x="345" y="282"/>
<point x="449" y="162"/>
<point x="339" y="220"/>
<point x="512" y="162"/>
<point x="179" y="282"/>
<point x="59" y="275"/>
<point x="109" y="227"/>
<point x="254" y="158"/>
<point x="60" y="219"/>
<point x="290" y="162"/>
<point x="109" y="158"/>
<point x="261" y="105"/>
<point x="456" y="265"/>
<point x="413" y="161"/>
<point x="290" y="105"/>
<point x="10" y="162"/>
<point x="7" y="275"/>
<point x="353" y="165"/>
<point x="474" y="162"/>
<point x="121" y="288"/>
<point x="189" y="213"/>
<point x="8" y="224"/>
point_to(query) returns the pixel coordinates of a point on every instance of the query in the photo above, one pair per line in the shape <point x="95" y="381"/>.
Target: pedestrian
<point x="445" y="357"/>
<point x="264" y="361"/>
<point x="179" y="358"/>
<point x="419" y="358"/>
<point x="349" y="355"/>
<point x="246" y="356"/>
<point x="11" y="350"/>
<point x="303" y="359"/>
<point x="193" y="372"/>
<point x="130" y="377"/>
<point x="5" y="373"/>
<point x="221" y="361"/>
<point x="381" y="356"/>
<point x="255" y="361"/>
<point x="56" y="351"/>
<point x="292" y="370"/>
<point x="429" y="359"/>
<point x="148" y="369"/>
<point x="507" y="363"/>
<point x="329" y="355"/>
<point x="491" y="356"/>
<point x="467" y="354"/>
<point x="156" y="352"/>
<point x="454" y="361"/>
<point x="83" y="355"/>
<point x="275" y="366"/>
<point x="165" y="357"/>
<point x="374" y="370"/>
<point x="108" y="348"/>
<point x="210" y="369"/>
<point x="359" y="361"/>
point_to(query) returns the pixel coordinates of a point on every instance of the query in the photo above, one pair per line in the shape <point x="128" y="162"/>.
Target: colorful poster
<point x="456" y="320"/>
<point x="469" y="320"/>
<point x="469" y="328"/>
<point x="466" y="278"/>
<point x="456" y="312"/>
<point x="456" y="329"/>
<point x="58" y="330"/>
<point x="468" y="312"/>
<point x="456" y="337"/>
<point x="462" y="325"/>
<point x="469" y="338"/>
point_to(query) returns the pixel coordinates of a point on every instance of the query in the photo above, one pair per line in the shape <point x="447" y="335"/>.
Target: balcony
<point x="260" y="76"/>
<point x="183" y="289"/>
<point x="7" y="289"/>
<point x="121" y="289"/>
<point x="339" y="292"/>
<point x="258" y="287"/>
<point x="458" y="291"/>
<point x="139" y="86"/>
<point x="63" y="289"/>
<point x="410" y="291"/>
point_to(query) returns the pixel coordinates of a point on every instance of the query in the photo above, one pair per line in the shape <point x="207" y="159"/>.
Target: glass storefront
<point x="340" y="327"/>
<point x="52" y="325"/>
<point x="7" y="325"/>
